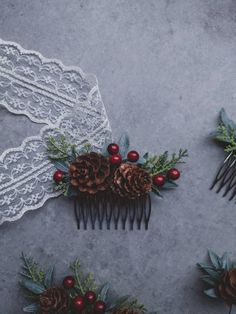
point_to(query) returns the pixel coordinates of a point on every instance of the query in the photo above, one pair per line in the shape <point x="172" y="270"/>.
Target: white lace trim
<point x="66" y="100"/>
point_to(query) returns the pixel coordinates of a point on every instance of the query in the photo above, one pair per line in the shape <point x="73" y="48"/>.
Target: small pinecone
<point x="227" y="286"/>
<point x="131" y="181"/>
<point x="90" y="173"/>
<point x="54" y="301"/>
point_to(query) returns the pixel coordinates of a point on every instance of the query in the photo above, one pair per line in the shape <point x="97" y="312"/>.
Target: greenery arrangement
<point x="226" y="132"/>
<point x="220" y="278"/>
<point x="116" y="169"/>
<point x="77" y="293"/>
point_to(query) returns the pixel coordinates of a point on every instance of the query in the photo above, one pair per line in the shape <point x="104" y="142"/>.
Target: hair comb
<point x="112" y="187"/>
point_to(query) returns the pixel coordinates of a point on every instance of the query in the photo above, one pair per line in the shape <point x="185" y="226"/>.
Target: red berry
<point x="159" y="180"/>
<point x="115" y="159"/>
<point x="133" y="156"/>
<point x="69" y="282"/>
<point x="100" y="307"/>
<point x="90" y="296"/>
<point x="173" y="174"/>
<point x="58" y="176"/>
<point x="113" y="149"/>
<point x="79" y="303"/>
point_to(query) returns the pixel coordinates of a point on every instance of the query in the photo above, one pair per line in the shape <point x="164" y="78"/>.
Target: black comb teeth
<point x="225" y="179"/>
<point x="108" y="210"/>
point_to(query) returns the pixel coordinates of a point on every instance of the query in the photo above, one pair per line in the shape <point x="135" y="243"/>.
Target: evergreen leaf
<point x="169" y="185"/>
<point x="49" y="277"/>
<point x="225" y="262"/>
<point x="123" y="144"/>
<point x="211" y="293"/>
<point x="215" y="259"/>
<point x="228" y="123"/>
<point x="32" y="308"/>
<point x="117" y="303"/>
<point x="156" y="192"/>
<point x="32" y="286"/>
<point x="208" y="280"/>
<point x="61" y="165"/>
<point x="104" y="290"/>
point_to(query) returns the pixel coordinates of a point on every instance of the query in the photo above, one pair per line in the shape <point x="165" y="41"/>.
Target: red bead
<point x="133" y="156"/>
<point x="115" y="159"/>
<point x="58" y="176"/>
<point x="69" y="282"/>
<point x="173" y="174"/>
<point x="113" y="149"/>
<point x="90" y="296"/>
<point x="79" y="303"/>
<point x="159" y="180"/>
<point x="100" y="307"/>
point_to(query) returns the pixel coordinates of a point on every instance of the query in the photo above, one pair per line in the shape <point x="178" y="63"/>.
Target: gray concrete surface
<point x="165" y="68"/>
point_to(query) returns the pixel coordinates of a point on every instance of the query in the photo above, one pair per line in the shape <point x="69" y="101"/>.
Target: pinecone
<point x="54" y="301"/>
<point x="131" y="181"/>
<point x="90" y="173"/>
<point x="227" y="286"/>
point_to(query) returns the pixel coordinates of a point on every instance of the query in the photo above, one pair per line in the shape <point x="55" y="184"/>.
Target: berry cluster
<point x="159" y="179"/>
<point x="116" y="158"/>
<point x="88" y="300"/>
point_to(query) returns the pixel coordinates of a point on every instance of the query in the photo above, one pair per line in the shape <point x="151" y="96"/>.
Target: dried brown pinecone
<point x="227" y="286"/>
<point x="54" y="301"/>
<point x="90" y="173"/>
<point x="131" y="181"/>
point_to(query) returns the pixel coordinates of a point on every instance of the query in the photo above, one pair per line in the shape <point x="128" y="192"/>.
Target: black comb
<point x="106" y="211"/>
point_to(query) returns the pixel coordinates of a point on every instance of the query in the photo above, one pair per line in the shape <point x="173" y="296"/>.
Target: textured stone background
<point x="165" y="68"/>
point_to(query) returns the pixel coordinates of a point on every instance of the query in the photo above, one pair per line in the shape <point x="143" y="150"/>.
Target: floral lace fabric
<point x="63" y="99"/>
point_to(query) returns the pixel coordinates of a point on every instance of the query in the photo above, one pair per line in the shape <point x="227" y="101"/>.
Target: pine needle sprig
<point x="59" y="149"/>
<point x="227" y="135"/>
<point x="133" y="306"/>
<point x="31" y="270"/>
<point x="83" y="284"/>
<point x="161" y="164"/>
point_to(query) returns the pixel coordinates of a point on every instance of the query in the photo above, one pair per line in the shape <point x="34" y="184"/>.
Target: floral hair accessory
<point x="114" y="185"/>
<point x="220" y="278"/>
<point x="76" y="293"/>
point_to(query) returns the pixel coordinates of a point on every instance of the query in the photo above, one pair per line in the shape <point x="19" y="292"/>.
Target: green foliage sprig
<point x="83" y="283"/>
<point x="226" y="132"/>
<point x="59" y="149"/>
<point x="155" y="164"/>
<point x="37" y="281"/>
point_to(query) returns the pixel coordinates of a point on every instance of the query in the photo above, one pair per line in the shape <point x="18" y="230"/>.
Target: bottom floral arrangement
<point x="77" y="293"/>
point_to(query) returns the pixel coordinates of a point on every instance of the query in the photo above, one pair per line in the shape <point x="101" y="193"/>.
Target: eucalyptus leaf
<point x="118" y="303"/>
<point x="169" y="185"/>
<point x="211" y="293"/>
<point x="226" y="263"/>
<point x="228" y="123"/>
<point x="49" y="277"/>
<point x="32" y="308"/>
<point x="104" y="291"/>
<point x="32" y="286"/>
<point x="124" y="144"/>
<point x="209" y="281"/>
<point x="215" y="259"/>
<point x="156" y="192"/>
<point x="61" y="165"/>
